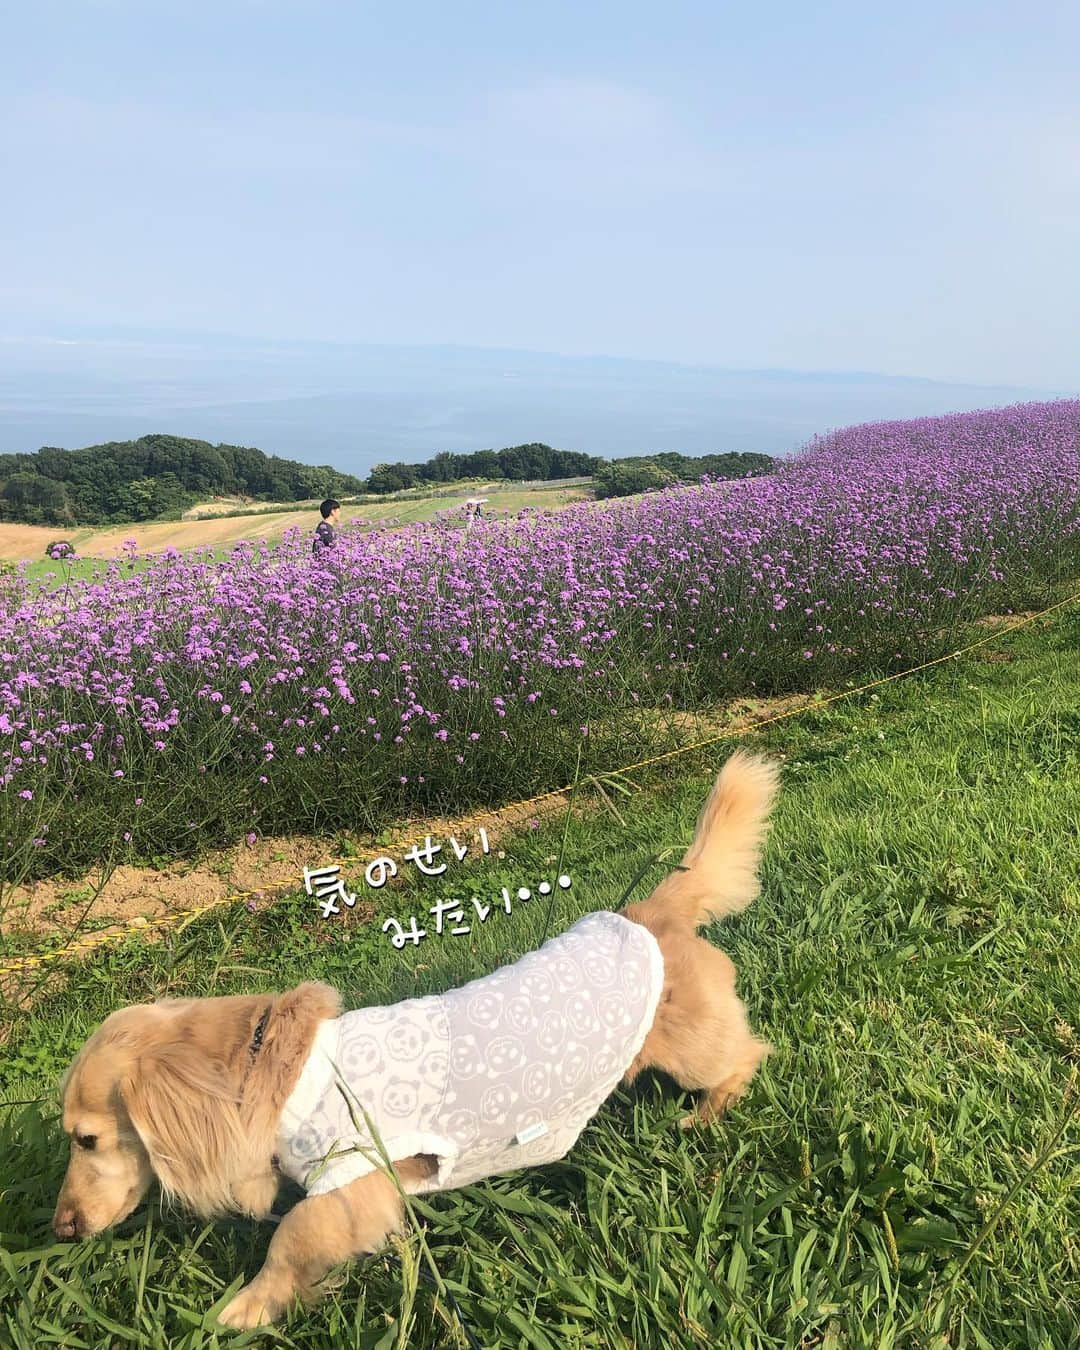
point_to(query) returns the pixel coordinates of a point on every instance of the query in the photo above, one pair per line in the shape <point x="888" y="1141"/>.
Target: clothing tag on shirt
<point x="531" y="1132"/>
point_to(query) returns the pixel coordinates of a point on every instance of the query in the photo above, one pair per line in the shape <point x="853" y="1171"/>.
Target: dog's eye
<point x="87" y="1141"/>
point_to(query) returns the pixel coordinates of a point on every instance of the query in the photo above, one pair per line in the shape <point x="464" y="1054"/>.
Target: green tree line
<point x="643" y="473"/>
<point x="517" y="463"/>
<point x="539" y="462"/>
<point x="160" y="476"/>
<point x="151" y="477"/>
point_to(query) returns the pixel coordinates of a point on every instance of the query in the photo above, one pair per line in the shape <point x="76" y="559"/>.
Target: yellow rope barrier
<point x="177" y="917"/>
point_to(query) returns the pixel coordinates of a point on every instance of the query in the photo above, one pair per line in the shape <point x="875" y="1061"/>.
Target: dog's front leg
<point x="319" y="1233"/>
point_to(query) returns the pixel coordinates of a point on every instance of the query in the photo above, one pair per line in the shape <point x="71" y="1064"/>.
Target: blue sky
<point x="826" y="186"/>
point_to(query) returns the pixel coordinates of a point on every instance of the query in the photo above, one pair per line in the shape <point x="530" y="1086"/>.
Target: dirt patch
<point x="154" y="536"/>
<point x="136" y="898"/>
<point x="223" y="505"/>
<point x="1004" y="620"/>
<point x="19" y="543"/>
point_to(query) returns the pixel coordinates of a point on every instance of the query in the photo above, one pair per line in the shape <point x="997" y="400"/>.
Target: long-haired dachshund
<point x="218" y="1098"/>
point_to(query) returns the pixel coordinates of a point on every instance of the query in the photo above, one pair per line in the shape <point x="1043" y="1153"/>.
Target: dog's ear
<point x="303" y="1008"/>
<point x="184" y="1108"/>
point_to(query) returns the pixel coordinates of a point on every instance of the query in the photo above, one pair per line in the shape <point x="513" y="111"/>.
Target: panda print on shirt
<point x="502" y="1073"/>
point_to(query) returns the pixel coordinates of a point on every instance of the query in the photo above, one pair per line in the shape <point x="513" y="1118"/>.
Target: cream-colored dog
<point x="194" y="1092"/>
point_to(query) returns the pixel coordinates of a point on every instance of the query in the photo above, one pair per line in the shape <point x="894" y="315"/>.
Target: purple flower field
<point x="155" y="711"/>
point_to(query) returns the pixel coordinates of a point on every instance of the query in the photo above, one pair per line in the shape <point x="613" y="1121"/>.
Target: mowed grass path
<point x="914" y="960"/>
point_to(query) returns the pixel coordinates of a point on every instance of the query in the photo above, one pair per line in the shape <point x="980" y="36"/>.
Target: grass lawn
<point x="914" y="958"/>
<point x="82" y="569"/>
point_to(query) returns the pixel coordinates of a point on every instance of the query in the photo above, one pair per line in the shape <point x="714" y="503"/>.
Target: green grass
<point x="383" y="502"/>
<point x="82" y="569"/>
<point x="914" y="960"/>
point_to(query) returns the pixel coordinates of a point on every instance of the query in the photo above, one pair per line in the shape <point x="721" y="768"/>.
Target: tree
<point x="623" y="479"/>
<point x="138" y="480"/>
<point x="444" y="468"/>
<point x="481" y="464"/>
<point x="692" y="468"/>
<point x="392" y="477"/>
<point x="36" y="500"/>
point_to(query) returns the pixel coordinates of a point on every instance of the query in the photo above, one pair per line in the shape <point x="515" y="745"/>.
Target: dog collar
<point x="260" y="1031"/>
<point x="257" y="1038"/>
<point x="253" y="1051"/>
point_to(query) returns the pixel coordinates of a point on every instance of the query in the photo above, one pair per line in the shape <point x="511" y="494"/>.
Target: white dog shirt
<point x="502" y="1073"/>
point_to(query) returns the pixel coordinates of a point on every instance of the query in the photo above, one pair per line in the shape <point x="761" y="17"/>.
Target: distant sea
<point x="354" y="405"/>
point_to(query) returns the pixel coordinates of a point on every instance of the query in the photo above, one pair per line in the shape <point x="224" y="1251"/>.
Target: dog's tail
<point x="722" y="862"/>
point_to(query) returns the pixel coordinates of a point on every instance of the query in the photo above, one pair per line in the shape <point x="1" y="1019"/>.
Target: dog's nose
<point x="66" y="1225"/>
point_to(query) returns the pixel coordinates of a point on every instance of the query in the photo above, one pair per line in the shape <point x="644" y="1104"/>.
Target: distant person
<point x="472" y="511"/>
<point x="324" y="531"/>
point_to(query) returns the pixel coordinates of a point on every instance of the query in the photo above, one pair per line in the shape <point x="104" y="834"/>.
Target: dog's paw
<point x="703" y="1116"/>
<point x="248" y="1309"/>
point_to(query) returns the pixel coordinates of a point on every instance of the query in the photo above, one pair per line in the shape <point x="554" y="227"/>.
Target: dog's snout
<point x="67" y="1224"/>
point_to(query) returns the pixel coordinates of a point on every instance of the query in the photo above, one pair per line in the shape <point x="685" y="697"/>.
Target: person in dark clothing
<point x="324" y="531"/>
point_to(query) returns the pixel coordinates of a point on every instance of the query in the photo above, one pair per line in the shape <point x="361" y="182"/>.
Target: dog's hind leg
<point x="318" y="1234"/>
<point x="701" y="1036"/>
<point x="717" y="1097"/>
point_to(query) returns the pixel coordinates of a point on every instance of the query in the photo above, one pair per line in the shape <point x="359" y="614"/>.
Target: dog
<point x="218" y="1098"/>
